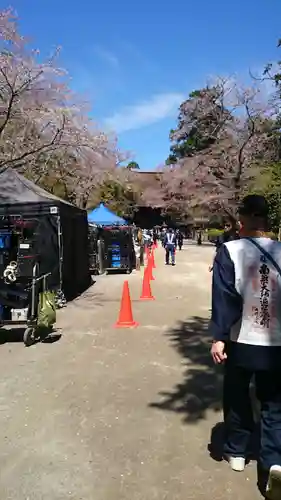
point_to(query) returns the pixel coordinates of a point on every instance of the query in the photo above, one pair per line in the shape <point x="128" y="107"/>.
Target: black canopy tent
<point x="60" y="230"/>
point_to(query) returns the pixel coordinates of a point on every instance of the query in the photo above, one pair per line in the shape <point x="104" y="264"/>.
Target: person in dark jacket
<point x="179" y="236"/>
<point x="246" y="330"/>
<point x="162" y="237"/>
<point x="230" y="233"/>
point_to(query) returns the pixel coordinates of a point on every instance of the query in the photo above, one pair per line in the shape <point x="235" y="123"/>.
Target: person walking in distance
<point x="246" y="330"/>
<point x="170" y="246"/>
<point x="163" y="236"/>
<point x="179" y="237"/>
<point x="230" y="233"/>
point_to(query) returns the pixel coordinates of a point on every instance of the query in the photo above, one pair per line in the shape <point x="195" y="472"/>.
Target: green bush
<point x="272" y="235"/>
<point x="212" y="232"/>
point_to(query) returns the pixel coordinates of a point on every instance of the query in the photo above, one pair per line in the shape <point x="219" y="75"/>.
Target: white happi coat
<point x="259" y="284"/>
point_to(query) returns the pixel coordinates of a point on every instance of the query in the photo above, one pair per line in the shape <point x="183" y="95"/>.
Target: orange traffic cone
<point x="149" y="269"/>
<point x="146" y="288"/>
<point x="125" y="319"/>
<point x="153" y="261"/>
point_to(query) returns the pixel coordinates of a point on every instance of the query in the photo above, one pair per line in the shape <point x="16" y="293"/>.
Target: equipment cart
<point x="23" y="275"/>
<point x="118" y="248"/>
<point x="19" y="301"/>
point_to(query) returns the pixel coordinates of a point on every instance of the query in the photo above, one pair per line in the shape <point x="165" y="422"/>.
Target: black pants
<point x="238" y="413"/>
<point x="170" y="250"/>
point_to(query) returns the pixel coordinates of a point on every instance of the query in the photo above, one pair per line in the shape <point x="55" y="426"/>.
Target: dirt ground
<point x="108" y="414"/>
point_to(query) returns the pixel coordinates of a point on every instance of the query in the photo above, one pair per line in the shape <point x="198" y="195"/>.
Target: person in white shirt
<point x="246" y="330"/>
<point x="170" y="246"/>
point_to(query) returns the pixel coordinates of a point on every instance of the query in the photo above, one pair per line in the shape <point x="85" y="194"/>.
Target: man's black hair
<point x="254" y="205"/>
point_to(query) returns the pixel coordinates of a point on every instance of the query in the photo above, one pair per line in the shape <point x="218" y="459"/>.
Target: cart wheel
<point x="29" y="336"/>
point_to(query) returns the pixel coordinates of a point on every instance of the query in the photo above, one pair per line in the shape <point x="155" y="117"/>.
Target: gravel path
<point x="106" y="414"/>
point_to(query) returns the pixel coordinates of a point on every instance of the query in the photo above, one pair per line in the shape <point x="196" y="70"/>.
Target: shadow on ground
<point x="13" y="335"/>
<point x="201" y="388"/>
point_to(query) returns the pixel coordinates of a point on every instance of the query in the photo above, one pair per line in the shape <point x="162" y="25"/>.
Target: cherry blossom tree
<point x="232" y="125"/>
<point x="45" y="130"/>
<point x="31" y="98"/>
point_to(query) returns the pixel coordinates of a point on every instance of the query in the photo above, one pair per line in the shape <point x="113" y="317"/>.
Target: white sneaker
<point x="237" y="463"/>
<point x="273" y="488"/>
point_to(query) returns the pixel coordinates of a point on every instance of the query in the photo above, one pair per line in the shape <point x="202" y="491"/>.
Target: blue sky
<point x="136" y="61"/>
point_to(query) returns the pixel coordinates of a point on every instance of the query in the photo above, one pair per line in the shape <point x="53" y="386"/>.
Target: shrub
<point x="272" y="235"/>
<point x="213" y="232"/>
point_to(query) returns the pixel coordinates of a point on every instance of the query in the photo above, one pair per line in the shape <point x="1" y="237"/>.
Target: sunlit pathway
<point x="106" y="414"/>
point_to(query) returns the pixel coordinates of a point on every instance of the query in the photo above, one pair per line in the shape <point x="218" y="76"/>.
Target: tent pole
<point x="60" y="245"/>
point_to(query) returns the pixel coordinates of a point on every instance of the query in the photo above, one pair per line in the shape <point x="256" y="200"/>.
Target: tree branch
<point x="40" y="149"/>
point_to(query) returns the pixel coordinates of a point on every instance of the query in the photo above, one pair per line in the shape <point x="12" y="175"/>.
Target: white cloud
<point x="107" y="56"/>
<point x="145" y="113"/>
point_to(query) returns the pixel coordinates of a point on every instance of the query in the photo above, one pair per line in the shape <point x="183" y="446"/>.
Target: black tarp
<point x="61" y="230"/>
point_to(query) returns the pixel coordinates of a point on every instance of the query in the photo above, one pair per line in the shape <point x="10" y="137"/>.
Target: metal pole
<point x="60" y="246"/>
